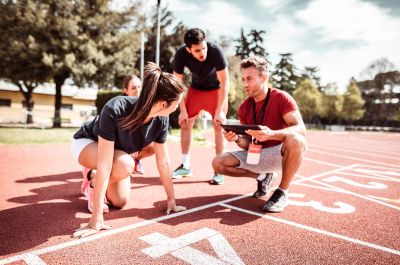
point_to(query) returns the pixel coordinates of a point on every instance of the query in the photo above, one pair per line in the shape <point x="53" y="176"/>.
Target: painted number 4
<point x="179" y="247"/>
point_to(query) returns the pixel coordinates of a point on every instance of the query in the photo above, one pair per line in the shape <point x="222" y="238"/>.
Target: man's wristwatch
<point x="238" y="139"/>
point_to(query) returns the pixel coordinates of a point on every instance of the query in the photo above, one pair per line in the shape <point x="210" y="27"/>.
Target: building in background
<point x="382" y="100"/>
<point x="78" y="105"/>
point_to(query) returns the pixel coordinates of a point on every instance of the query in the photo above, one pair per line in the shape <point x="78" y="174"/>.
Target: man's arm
<point x="223" y="78"/>
<point x="183" y="116"/>
<point x="295" y="125"/>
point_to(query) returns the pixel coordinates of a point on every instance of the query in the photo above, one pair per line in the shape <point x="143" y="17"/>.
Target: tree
<point x="308" y="99"/>
<point x="82" y="40"/>
<point x="250" y="44"/>
<point x="243" y="46"/>
<point x="353" y="103"/>
<point x="284" y="76"/>
<point x="381" y="65"/>
<point x="382" y="98"/>
<point x="236" y="91"/>
<point x="169" y="42"/>
<point x="256" y="42"/>
<point x="21" y="55"/>
<point x="311" y="72"/>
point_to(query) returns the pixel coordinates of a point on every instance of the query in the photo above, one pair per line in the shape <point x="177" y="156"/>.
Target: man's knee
<point x="295" y="142"/>
<point x="218" y="163"/>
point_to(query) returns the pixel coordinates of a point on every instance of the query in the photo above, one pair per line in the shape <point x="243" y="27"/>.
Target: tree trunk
<point x="59" y="80"/>
<point x="28" y="99"/>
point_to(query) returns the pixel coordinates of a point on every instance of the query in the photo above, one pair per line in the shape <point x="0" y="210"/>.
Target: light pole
<point x="158" y="34"/>
<point x="141" y="54"/>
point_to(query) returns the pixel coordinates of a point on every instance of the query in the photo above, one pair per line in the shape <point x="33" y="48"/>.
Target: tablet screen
<point x="239" y="129"/>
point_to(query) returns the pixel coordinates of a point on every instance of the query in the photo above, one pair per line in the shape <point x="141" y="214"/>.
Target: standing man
<point x="282" y="136"/>
<point x="208" y="91"/>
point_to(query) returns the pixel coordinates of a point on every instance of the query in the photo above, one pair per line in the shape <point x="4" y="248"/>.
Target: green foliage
<point x="284" y="76"/>
<point x="308" y="99"/>
<point x="311" y="72"/>
<point x="58" y="39"/>
<point x="396" y="115"/>
<point x="353" y="103"/>
<point x="236" y="91"/>
<point x="250" y="44"/>
<point x="331" y="107"/>
<point x="36" y="136"/>
<point x="105" y="95"/>
<point x="169" y="42"/>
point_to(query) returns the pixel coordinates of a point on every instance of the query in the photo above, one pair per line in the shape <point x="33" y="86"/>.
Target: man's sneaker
<point x="138" y="169"/>
<point x="277" y="202"/>
<point x="181" y="172"/>
<point x="217" y="179"/>
<point x="264" y="185"/>
<point x="86" y="173"/>
<point x="89" y="196"/>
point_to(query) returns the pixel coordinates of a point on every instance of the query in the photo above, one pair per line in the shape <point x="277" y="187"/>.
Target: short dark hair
<point x="257" y="62"/>
<point x="194" y="36"/>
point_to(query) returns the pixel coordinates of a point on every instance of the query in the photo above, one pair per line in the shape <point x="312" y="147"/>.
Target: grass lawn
<point x="64" y="135"/>
<point x="35" y="136"/>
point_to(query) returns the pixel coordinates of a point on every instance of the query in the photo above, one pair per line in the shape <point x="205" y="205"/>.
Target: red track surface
<point x="345" y="208"/>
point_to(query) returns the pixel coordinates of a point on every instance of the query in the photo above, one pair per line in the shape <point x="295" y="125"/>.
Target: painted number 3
<point x="341" y="206"/>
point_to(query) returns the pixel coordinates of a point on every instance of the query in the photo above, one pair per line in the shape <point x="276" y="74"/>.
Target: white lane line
<point x="321" y="162"/>
<point x="32" y="259"/>
<point x="371" y="152"/>
<point x="302" y="178"/>
<point x="369" y="176"/>
<point x="316" y="230"/>
<point x="353" y="158"/>
<point x="115" y="231"/>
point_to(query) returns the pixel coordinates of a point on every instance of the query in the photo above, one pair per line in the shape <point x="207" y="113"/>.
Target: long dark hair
<point x="157" y="86"/>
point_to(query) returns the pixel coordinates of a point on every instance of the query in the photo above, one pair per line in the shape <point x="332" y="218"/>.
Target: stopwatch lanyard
<point x="263" y="108"/>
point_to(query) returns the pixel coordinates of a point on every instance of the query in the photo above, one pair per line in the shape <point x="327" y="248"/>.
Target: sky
<point x="340" y="37"/>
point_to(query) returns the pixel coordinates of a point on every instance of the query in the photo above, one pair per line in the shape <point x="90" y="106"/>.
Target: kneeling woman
<point x="124" y="126"/>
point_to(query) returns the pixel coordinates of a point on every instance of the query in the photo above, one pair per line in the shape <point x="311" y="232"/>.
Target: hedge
<point x="105" y="95"/>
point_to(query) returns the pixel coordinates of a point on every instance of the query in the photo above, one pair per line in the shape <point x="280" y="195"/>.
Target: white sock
<point x="285" y="191"/>
<point x="186" y="160"/>
<point x="261" y="177"/>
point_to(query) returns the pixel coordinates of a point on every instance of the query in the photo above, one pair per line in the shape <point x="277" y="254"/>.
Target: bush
<point x="105" y="95"/>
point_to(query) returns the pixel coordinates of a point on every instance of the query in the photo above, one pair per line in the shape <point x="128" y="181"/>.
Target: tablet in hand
<point x="239" y="129"/>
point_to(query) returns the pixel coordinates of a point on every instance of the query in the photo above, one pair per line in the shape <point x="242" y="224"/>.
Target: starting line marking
<point x="29" y="255"/>
<point x="32" y="257"/>
<point x="179" y="247"/>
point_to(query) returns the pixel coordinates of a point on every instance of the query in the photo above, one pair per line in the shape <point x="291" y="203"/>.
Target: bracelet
<point x="238" y="139"/>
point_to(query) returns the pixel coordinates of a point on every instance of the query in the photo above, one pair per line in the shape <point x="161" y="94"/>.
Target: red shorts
<point x="197" y="100"/>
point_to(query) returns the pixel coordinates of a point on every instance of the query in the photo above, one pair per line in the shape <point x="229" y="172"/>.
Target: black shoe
<point x="263" y="186"/>
<point x="277" y="202"/>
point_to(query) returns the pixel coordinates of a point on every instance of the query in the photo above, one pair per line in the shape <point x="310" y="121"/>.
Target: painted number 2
<point x="370" y="185"/>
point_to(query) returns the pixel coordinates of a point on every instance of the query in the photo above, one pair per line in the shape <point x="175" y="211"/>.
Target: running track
<point x="344" y="208"/>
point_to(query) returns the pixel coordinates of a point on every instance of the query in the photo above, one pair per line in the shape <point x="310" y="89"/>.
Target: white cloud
<point x="217" y="17"/>
<point x="350" y="20"/>
<point x="339" y="37"/>
<point x="369" y="31"/>
<point x="274" y="6"/>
